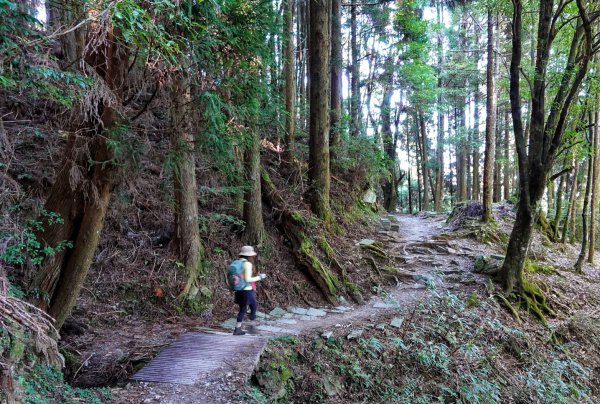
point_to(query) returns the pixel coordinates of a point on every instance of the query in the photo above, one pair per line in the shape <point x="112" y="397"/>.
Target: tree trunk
<point x="559" y="199"/>
<point x="584" y="216"/>
<point x="82" y="195"/>
<point x="506" y="179"/>
<point x="355" y="72"/>
<point x="254" y="233"/>
<point x="571" y="206"/>
<point x="497" y="194"/>
<point x="288" y="72"/>
<point x="476" y="158"/>
<point x="410" y="198"/>
<point x="64" y="15"/>
<point x="424" y="161"/>
<point x="187" y="235"/>
<point x="390" y="189"/>
<point x="594" y="202"/>
<point x="318" y="60"/>
<point x="461" y="154"/>
<point x="336" y="75"/>
<point x="439" y="177"/>
<point x="490" y="122"/>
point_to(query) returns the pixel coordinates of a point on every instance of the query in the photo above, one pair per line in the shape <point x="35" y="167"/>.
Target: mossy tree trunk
<point x="536" y="161"/>
<point x="319" y="74"/>
<point x="187" y="235"/>
<point x="292" y="224"/>
<point x="82" y="192"/>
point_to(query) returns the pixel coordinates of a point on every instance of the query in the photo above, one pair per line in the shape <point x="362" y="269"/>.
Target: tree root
<point x="314" y="254"/>
<point x="378" y="252"/>
<point x="530" y="298"/>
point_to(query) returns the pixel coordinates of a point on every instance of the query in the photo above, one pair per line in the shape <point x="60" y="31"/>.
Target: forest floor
<point x="427" y="258"/>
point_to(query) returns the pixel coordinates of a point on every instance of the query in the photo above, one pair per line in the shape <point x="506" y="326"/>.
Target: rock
<point x="332" y="384"/>
<point x="383" y="305"/>
<point x="297" y="310"/>
<point x="327" y="334"/>
<point x="229" y="324"/>
<point x="354" y="334"/>
<point x="286" y="321"/>
<point x="342" y="300"/>
<point x="489" y="265"/>
<point x="366" y="241"/>
<point x="395" y="227"/>
<point x="380" y="326"/>
<point x="385" y="224"/>
<point x="370" y="196"/>
<point x="278" y="312"/>
<point x="316" y="312"/>
<point x="397" y="322"/>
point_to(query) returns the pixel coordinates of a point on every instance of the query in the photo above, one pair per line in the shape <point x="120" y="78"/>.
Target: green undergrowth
<point x="449" y="348"/>
<point x="43" y="384"/>
<point x="33" y="380"/>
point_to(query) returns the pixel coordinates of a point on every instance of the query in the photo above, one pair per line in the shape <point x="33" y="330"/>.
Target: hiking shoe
<point x="238" y="331"/>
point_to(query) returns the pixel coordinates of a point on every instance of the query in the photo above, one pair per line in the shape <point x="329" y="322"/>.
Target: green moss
<point x="307" y="249"/>
<point x="17" y="346"/>
<point x="473" y="300"/>
<point x="326" y="247"/>
<point x="538" y="267"/>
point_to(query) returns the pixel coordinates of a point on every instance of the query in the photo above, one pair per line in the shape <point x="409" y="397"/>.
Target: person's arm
<point x="248" y="273"/>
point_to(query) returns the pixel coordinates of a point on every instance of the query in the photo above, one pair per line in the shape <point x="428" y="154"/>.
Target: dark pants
<point x="245" y="298"/>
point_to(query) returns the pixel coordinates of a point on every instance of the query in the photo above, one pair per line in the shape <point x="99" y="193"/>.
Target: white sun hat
<point x="247" y="251"/>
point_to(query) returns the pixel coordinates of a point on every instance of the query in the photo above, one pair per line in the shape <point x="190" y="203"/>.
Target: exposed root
<point x="378" y="252"/>
<point x="294" y="224"/>
<point x="531" y="299"/>
<point x="507" y="305"/>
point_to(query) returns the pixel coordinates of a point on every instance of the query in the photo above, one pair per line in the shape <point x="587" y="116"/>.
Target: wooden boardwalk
<point x="195" y="354"/>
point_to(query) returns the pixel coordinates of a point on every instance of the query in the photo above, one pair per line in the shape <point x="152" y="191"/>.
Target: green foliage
<point x="26" y="246"/>
<point x="43" y="384"/>
<point x="463" y="353"/>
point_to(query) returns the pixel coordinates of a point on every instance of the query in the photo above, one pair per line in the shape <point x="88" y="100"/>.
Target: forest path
<point x="426" y="263"/>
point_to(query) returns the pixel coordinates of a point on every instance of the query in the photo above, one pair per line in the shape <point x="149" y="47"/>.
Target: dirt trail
<point x="424" y="262"/>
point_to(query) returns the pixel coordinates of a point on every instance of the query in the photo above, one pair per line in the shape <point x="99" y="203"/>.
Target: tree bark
<point x="318" y="60"/>
<point x="572" y="203"/>
<point x="476" y="157"/>
<point x="439" y="177"/>
<point x="490" y="122"/>
<point x="546" y="134"/>
<point x="85" y="225"/>
<point x="424" y="160"/>
<point x="506" y="143"/>
<point x="594" y="201"/>
<point x="584" y="216"/>
<point x="288" y="72"/>
<point x="390" y="189"/>
<point x="254" y="233"/>
<point x="355" y="73"/>
<point x="336" y="75"/>
<point x="187" y="234"/>
<point x="559" y="198"/>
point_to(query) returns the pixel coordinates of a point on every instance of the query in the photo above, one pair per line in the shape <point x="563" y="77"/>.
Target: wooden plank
<point x="195" y="354"/>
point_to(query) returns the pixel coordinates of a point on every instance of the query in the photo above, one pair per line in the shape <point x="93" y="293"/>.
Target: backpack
<point x="235" y="275"/>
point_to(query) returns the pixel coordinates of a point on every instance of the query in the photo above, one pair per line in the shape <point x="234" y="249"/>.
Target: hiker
<point x="245" y="287"/>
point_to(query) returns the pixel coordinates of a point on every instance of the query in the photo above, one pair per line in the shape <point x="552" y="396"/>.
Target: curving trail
<point x="424" y="263"/>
